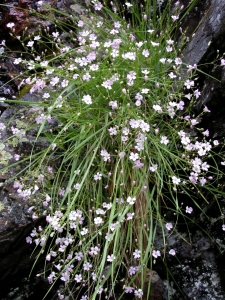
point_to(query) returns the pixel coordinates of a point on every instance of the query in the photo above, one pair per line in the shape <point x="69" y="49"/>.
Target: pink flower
<point x="128" y="289"/>
<point x="29" y="240"/>
<point x="54" y="81"/>
<point x="172" y="252"/>
<point x="16" y="157"/>
<point x="145" y="52"/>
<point x="113" y="104"/>
<point x="169" y="49"/>
<point x="87" y="266"/>
<point x="78" y="278"/>
<point x="197" y="93"/>
<point x="156" y="253"/>
<point x="98" y="6"/>
<point x="138" y="164"/>
<point x="132" y="270"/>
<point x="169" y="226"/>
<point x="206" y="109"/>
<point x="188" y="83"/>
<point x="137" y="253"/>
<point x="202" y="181"/>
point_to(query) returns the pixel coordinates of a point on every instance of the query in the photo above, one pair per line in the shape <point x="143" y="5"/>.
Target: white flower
<point x="175" y="180"/>
<point x="189" y="210"/>
<point x="144" y="91"/>
<point x="94" y="250"/>
<point x="87" y="266"/>
<point x="10" y="25"/>
<point x="131" y="200"/>
<point x="154" y="44"/>
<point x="54" y="80"/>
<point x="112" y="131"/>
<point x="175" y="17"/>
<point x="37" y="37"/>
<point x="222" y="62"/>
<point x="162" y="60"/>
<point x="137" y="253"/>
<point x="145" y="72"/>
<point x="129" y="55"/>
<point x="164" y="140"/>
<point x="98" y="221"/>
<point x="65" y="83"/>
<point x="145" y="52"/>
<point x="77" y="186"/>
<point x="188" y="83"/>
<point x="105" y="154"/>
<point x="78" y="278"/>
<point x="169" y="49"/>
<point x="145" y="127"/>
<point x="172" y="75"/>
<point x="169" y="226"/>
<point x="17" y="61"/>
<point x="84" y="231"/>
<point x="46" y="95"/>
<point x="87" y="99"/>
<point x="153" y="168"/>
<point x="156" y="253"/>
<point x="94" y="276"/>
<point x="111" y="257"/>
<point x="108" y="237"/>
<point x="30" y="44"/>
<point x="138" y="293"/>
<point x="157" y="108"/>
<point x="134" y="156"/>
<point x="128" y="4"/>
<point x="98" y="176"/>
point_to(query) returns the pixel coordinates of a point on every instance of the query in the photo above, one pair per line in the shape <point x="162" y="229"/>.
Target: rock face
<point x="213" y="95"/>
<point x="208" y="19"/>
<point x="209" y="35"/>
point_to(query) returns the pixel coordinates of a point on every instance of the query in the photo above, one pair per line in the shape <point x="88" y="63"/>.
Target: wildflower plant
<point x="122" y="142"/>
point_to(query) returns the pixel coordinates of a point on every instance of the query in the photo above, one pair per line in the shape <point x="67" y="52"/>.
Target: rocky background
<point x="200" y="272"/>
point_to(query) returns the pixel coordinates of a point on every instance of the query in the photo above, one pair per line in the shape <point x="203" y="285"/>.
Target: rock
<point x="155" y="283"/>
<point x="15" y="253"/>
<point x="212" y="95"/>
<point x="210" y="33"/>
<point x="208" y="17"/>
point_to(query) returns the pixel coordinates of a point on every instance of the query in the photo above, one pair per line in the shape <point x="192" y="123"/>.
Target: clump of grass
<point x="122" y="143"/>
